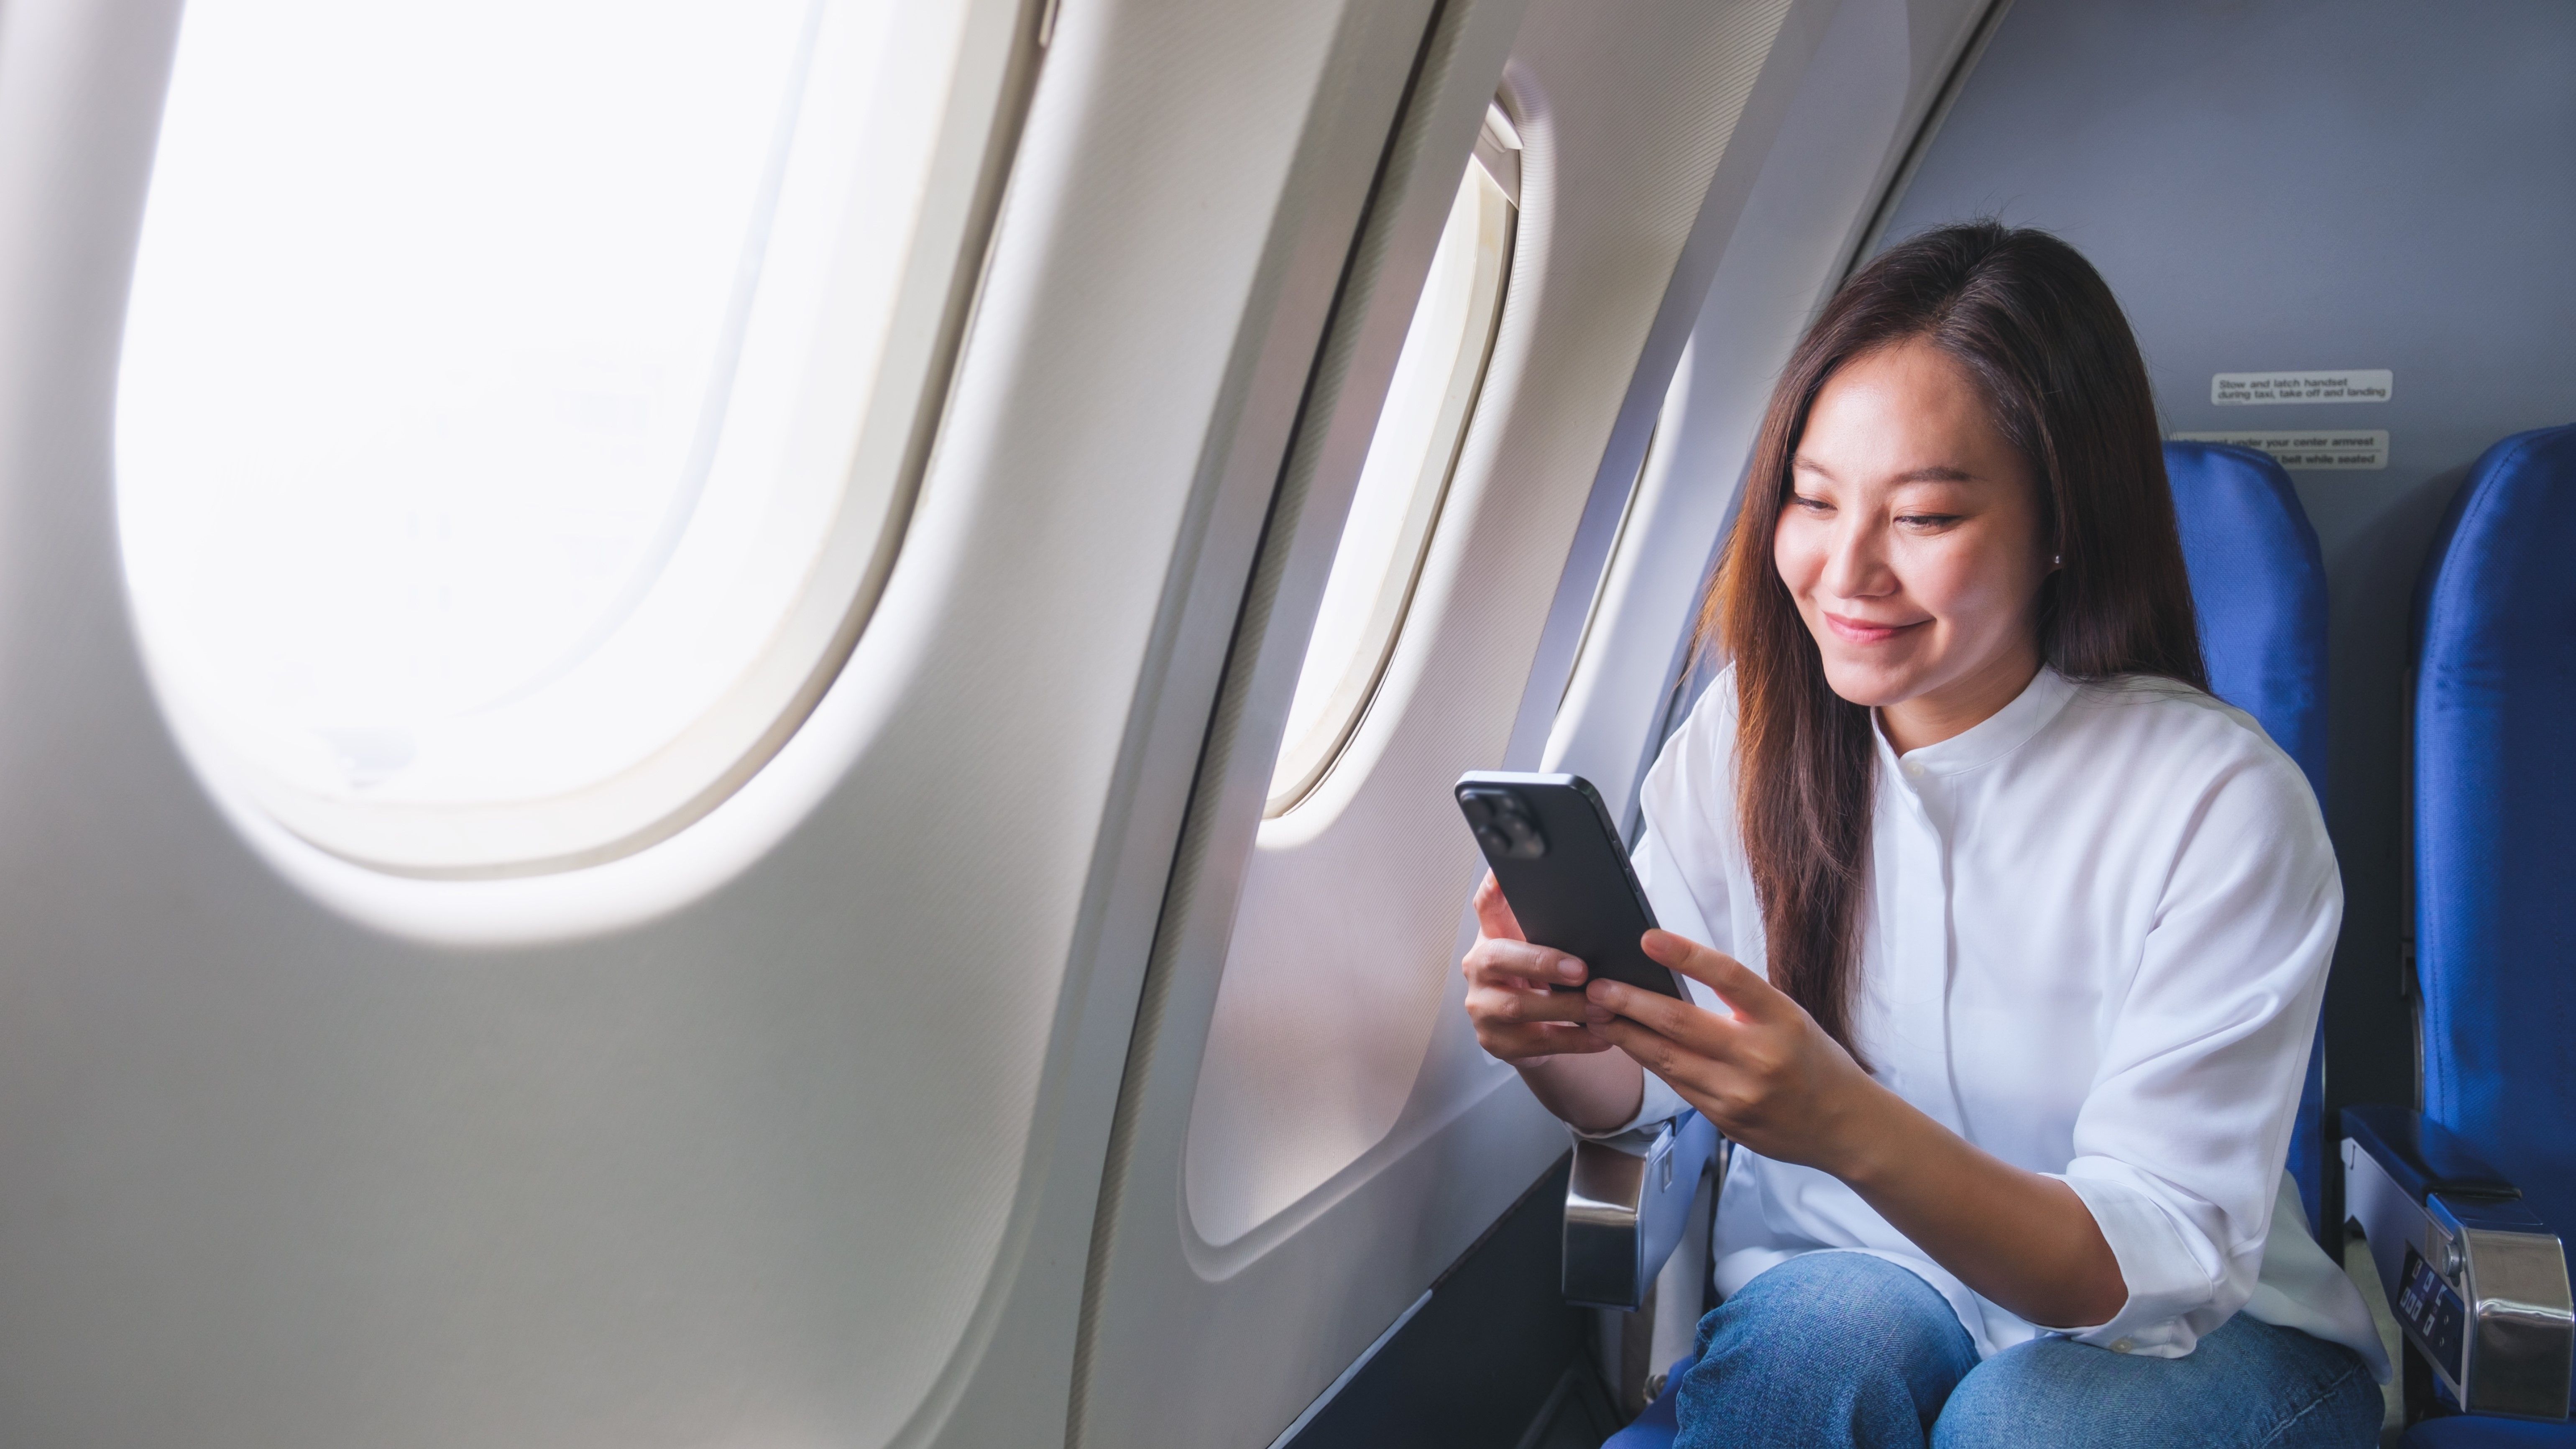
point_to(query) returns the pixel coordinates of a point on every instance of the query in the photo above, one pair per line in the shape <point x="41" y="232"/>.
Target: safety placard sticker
<point x="2353" y="385"/>
<point x="2318" y="449"/>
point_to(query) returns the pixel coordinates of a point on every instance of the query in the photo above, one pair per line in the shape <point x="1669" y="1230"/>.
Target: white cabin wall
<point x="809" y="1158"/>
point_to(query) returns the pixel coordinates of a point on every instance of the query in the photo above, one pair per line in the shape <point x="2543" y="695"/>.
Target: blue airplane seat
<point x="2495" y="817"/>
<point x="2495" y="929"/>
<point x="2259" y="585"/>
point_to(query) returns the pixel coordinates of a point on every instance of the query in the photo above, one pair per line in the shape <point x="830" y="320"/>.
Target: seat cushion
<point x="2258" y="583"/>
<point x="2469" y="1431"/>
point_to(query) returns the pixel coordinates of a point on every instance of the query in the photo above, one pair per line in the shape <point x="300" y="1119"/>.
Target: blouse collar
<point x="1998" y="735"/>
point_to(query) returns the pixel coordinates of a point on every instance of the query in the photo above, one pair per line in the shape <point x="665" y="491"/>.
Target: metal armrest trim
<point x="1625" y="1203"/>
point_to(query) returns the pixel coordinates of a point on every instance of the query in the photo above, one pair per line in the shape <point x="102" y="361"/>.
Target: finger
<point x="1736" y="984"/>
<point x="1554" y="1039"/>
<point x="1518" y="963"/>
<point x="1661" y="1014"/>
<point x="1507" y="1005"/>
<point x="1494" y="914"/>
<point x="1568" y="1040"/>
<point x="1654" y="1051"/>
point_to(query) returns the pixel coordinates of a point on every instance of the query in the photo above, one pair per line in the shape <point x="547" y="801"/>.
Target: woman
<point x="2006" y="940"/>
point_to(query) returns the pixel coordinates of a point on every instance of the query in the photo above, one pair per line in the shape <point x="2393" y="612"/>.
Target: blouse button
<point x="2121" y="1345"/>
<point x="1914" y="768"/>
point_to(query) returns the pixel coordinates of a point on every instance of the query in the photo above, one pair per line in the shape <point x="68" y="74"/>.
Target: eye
<point x="1810" y="503"/>
<point x="1927" y="520"/>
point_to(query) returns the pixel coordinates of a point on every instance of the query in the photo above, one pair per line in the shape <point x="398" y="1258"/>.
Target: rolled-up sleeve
<point x="2178" y="1145"/>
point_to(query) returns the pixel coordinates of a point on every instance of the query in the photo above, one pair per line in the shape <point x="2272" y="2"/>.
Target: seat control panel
<point x="2433" y="1314"/>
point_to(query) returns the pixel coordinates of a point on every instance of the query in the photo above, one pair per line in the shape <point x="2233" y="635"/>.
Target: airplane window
<point x="516" y="398"/>
<point x="1401" y="482"/>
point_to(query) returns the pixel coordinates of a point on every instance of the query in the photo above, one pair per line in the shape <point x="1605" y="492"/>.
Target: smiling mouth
<point x="1863" y="631"/>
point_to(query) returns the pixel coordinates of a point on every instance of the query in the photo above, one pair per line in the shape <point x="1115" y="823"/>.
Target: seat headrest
<point x="2259" y="585"/>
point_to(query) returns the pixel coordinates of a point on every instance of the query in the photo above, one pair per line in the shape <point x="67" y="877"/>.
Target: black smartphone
<point x="1558" y="859"/>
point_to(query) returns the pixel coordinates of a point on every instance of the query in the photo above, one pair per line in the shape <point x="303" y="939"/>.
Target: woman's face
<point x="1910" y="540"/>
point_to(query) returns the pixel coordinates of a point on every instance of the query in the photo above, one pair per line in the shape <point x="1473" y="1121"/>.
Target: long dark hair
<point x="2034" y="325"/>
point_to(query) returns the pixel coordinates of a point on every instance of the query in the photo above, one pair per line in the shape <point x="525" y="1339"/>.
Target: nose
<point x="1856" y="565"/>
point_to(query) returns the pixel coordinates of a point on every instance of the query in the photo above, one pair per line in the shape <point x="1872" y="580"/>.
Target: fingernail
<point x="1570" y="969"/>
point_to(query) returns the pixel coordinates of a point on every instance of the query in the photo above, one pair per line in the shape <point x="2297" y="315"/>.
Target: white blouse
<point x="2095" y="945"/>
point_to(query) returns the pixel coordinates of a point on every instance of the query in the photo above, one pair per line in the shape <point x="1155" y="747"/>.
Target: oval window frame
<point x="982" y="55"/>
<point x="1491" y="186"/>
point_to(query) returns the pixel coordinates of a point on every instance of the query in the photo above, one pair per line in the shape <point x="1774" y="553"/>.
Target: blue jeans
<point x="1847" y="1349"/>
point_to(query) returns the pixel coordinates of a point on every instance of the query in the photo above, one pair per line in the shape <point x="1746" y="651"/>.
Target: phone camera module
<point x="1503" y="824"/>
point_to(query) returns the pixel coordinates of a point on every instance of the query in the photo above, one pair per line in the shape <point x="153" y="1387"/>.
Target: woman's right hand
<point x="1517" y="1017"/>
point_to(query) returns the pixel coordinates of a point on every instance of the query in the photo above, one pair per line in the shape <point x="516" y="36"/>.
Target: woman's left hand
<point x="1767" y="1076"/>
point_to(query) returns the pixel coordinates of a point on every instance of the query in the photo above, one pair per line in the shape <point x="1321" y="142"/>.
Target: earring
<point x="2057" y="560"/>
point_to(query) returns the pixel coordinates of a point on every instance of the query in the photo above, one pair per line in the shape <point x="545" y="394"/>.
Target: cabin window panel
<point x="1402" y="482"/>
<point x="517" y="395"/>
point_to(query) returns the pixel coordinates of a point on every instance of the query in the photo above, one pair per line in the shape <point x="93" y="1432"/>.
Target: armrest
<point x="2478" y="1282"/>
<point x="1625" y="1204"/>
<point x="2421" y="1156"/>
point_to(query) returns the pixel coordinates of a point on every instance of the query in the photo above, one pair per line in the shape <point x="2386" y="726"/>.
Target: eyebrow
<point x="1937" y="473"/>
